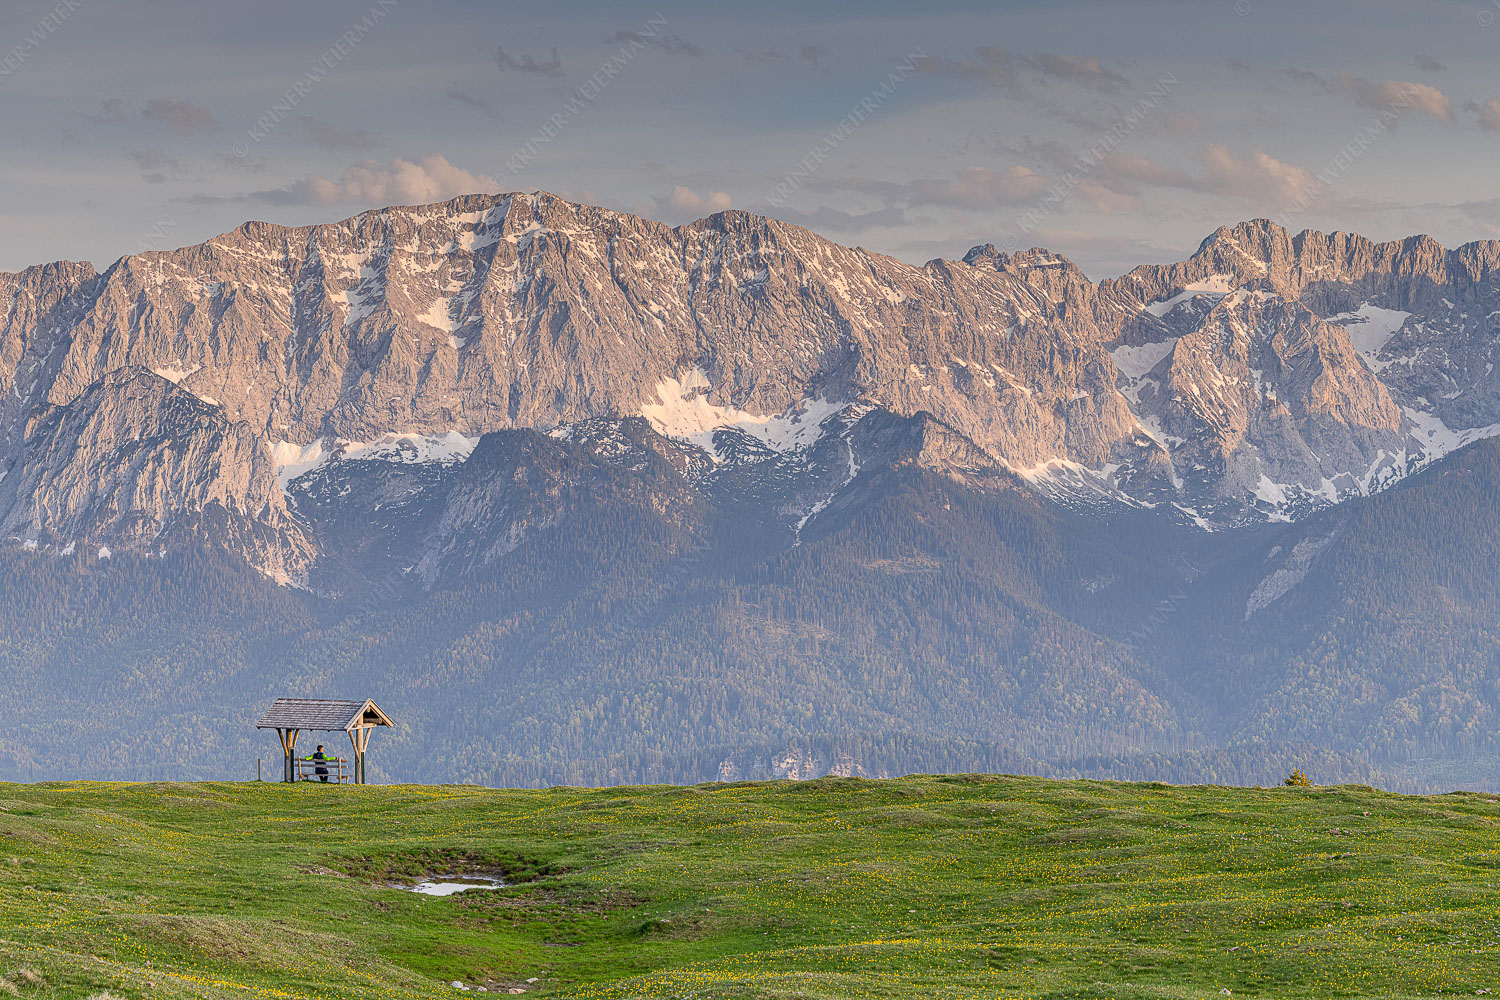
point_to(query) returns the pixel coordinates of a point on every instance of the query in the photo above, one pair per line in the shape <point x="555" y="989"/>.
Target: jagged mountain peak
<point x="732" y="220"/>
<point x="1020" y="260"/>
<point x="984" y="254"/>
<point x="57" y="270"/>
<point x="1266" y="239"/>
<point x="1292" y="263"/>
<point x="1262" y="235"/>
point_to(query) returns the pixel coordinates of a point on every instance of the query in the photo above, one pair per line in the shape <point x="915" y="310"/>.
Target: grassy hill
<point x="937" y="887"/>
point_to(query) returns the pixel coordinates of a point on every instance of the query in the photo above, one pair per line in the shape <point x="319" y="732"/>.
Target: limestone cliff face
<point x="1264" y="388"/>
<point x="136" y="463"/>
<point x="41" y="306"/>
<point x="1305" y="369"/>
<point x="527" y="311"/>
<point x="1266" y="373"/>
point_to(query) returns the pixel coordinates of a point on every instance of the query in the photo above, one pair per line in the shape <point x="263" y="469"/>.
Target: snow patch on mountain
<point x="1270" y="492"/>
<point x="367" y="292"/>
<point x="682" y="411"/>
<point x="413" y="449"/>
<point x="294" y="461"/>
<point x="1436" y="439"/>
<point x="176" y="375"/>
<point x="1292" y="571"/>
<point x="1136" y="360"/>
<point x="1079" y="487"/>
<point x="1370" y="328"/>
<point x="820" y="505"/>
<point x="439" y="315"/>
<point x="1217" y="285"/>
<point x="1047" y="468"/>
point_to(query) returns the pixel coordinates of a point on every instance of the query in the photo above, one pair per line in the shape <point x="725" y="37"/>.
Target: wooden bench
<point x="337" y="768"/>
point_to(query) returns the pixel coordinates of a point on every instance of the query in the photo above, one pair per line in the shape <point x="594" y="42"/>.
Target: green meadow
<point x="964" y="886"/>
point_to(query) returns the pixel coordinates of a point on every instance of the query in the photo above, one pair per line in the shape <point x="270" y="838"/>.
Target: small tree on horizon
<point x="1297" y="780"/>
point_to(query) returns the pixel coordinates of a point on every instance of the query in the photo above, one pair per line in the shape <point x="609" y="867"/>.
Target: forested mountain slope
<point x="919" y="624"/>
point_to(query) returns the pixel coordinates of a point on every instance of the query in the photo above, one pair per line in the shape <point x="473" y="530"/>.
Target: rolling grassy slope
<point x="945" y="887"/>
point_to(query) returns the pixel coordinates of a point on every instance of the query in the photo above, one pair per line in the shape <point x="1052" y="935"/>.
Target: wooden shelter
<point x="289" y="716"/>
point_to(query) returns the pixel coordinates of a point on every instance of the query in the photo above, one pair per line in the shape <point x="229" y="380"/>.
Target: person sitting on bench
<point x="321" y="770"/>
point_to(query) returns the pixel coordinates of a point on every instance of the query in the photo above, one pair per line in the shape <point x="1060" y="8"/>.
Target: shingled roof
<point x="321" y="714"/>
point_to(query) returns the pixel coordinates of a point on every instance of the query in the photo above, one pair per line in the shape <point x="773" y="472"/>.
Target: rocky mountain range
<point x="1265" y="375"/>
<point x="551" y="403"/>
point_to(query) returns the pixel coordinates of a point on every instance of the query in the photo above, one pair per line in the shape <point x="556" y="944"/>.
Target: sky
<point x="1116" y="133"/>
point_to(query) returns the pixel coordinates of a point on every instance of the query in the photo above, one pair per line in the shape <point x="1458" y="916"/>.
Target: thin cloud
<point x="477" y="103"/>
<point x="1485" y="213"/>
<point x="989" y="64"/>
<point x="330" y="136"/>
<point x="1488" y="113"/>
<point x="1181" y="122"/>
<point x="185" y="117"/>
<point x="411" y="182"/>
<point x="156" y="165"/>
<point x="1114" y="184"/>
<point x="1423" y="61"/>
<point x="675" y="44"/>
<point x="1078" y="69"/>
<point x="825" y="219"/>
<point x="1384" y="95"/>
<point x="527" y="63"/>
<point x="200" y="198"/>
<point x="685" y="201"/>
<point x="1104" y="199"/>
<point x="978" y="187"/>
<point x="1394" y="94"/>
<point x="998" y="67"/>
<point x="111" y="110"/>
<point x="1257" y="177"/>
<point x="813" y="55"/>
<point x="1118" y="183"/>
<point x="760" y="55"/>
<point x="230" y="163"/>
<point x="1126" y="176"/>
<point x="970" y="188"/>
<point x="1253" y="178"/>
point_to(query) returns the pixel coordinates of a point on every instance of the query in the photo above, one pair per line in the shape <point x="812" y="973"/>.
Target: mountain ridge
<point x="518" y="310"/>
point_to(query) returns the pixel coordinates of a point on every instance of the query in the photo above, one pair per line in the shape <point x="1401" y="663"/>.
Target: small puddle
<point x="448" y="885"/>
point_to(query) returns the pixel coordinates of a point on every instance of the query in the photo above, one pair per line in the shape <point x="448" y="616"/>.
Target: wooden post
<point x="360" y="739"/>
<point x="289" y="749"/>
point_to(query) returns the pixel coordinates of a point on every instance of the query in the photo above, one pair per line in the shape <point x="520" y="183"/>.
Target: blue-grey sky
<point x="1114" y="132"/>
